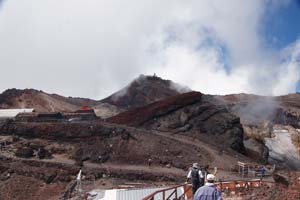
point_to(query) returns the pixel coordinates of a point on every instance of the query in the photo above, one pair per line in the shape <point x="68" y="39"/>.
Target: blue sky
<point x="298" y="87"/>
<point x="282" y="25"/>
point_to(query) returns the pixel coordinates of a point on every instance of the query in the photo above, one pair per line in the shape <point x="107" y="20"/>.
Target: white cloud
<point x="92" y="48"/>
<point x="289" y="70"/>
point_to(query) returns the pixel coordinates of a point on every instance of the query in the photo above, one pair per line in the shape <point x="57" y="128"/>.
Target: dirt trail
<point x="222" y="160"/>
<point x="144" y="168"/>
<point x="115" y="166"/>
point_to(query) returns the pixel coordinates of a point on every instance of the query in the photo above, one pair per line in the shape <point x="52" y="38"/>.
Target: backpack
<point x="195" y="177"/>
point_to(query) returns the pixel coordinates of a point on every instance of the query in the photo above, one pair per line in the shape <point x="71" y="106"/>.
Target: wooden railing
<point x="186" y="194"/>
<point x="224" y="186"/>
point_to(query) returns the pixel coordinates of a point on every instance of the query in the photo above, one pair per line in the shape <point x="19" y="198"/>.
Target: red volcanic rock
<point x="141" y="115"/>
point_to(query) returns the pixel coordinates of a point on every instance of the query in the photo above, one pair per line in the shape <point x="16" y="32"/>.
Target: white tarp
<point x="129" y="194"/>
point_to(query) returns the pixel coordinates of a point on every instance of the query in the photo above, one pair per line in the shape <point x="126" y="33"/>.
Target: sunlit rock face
<point x="284" y="147"/>
<point x="256" y="149"/>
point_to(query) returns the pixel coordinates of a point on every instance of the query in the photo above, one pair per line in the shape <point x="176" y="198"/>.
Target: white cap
<point x="195" y="165"/>
<point x="210" y="177"/>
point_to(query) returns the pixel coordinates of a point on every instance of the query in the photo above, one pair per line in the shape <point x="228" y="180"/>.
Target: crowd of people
<point x="203" y="186"/>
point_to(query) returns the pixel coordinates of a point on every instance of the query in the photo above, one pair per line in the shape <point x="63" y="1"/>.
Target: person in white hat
<point x="209" y="190"/>
<point x="196" y="177"/>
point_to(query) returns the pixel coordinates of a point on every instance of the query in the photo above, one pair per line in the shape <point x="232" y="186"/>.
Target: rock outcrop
<point x="61" y="130"/>
<point x="189" y="113"/>
<point x="270" y="125"/>
<point x="256" y="149"/>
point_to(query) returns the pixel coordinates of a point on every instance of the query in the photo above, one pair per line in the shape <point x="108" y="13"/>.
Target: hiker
<point x="205" y="171"/>
<point x="2" y="145"/>
<point x="149" y="162"/>
<point x="196" y="177"/>
<point x="41" y="153"/>
<point x="262" y="171"/>
<point x="209" y="191"/>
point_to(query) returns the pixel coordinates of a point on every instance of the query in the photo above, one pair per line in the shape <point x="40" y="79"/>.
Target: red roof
<point x="86" y="108"/>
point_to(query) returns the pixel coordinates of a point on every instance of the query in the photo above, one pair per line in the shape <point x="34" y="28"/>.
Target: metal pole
<point x="94" y="182"/>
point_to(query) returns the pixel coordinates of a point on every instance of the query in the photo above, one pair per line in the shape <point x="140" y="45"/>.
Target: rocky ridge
<point x="41" y="101"/>
<point x="189" y="113"/>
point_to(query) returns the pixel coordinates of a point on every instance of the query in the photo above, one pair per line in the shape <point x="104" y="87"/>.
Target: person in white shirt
<point x="196" y="177"/>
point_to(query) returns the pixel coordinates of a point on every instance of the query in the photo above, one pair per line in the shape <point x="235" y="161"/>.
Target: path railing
<point x="179" y="192"/>
<point x="185" y="193"/>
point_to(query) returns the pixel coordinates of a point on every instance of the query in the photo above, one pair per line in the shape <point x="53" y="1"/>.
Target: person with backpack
<point x="196" y="177"/>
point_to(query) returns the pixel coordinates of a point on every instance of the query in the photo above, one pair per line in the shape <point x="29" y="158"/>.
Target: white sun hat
<point x="210" y="177"/>
<point x="195" y="165"/>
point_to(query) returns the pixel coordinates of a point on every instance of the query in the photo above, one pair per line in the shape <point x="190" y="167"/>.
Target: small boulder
<point x="24" y="153"/>
<point x="102" y="158"/>
<point x="43" y="153"/>
<point x="49" y="177"/>
<point x="282" y="179"/>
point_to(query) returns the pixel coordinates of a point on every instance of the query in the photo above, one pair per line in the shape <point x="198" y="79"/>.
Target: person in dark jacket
<point x="196" y="177"/>
<point x="205" y="171"/>
<point x="208" y="191"/>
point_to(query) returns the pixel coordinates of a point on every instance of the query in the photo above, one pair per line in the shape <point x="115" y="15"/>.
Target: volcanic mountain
<point x="159" y="133"/>
<point x="41" y="101"/>
<point x="140" y="92"/>
<point x="157" y="104"/>
<point x="265" y="127"/>
<point x="144" y="90"/>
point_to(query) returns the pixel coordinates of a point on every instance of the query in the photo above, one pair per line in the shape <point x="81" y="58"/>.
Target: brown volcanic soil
<point x="144" y="90"/>
<point x="126" y="151"/>
<point x="19" y="187"/>
<point x="277" y="191"/>
<point x="101" y="142"/>
<point x="41" y="101"/>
